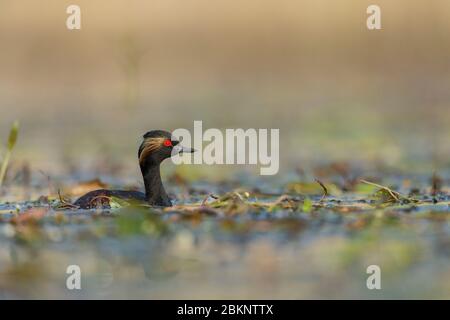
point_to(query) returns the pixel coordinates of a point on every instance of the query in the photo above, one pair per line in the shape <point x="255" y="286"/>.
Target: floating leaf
<point x="307" y="205"/>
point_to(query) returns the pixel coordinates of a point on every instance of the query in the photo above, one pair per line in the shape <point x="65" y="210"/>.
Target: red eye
<point x="167" y="143"/>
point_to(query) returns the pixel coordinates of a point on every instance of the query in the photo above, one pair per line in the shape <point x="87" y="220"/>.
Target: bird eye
<point x="167" y="143"/>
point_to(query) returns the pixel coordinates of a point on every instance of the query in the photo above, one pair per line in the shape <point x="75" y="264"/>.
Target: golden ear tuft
<point x="148" y="146"/>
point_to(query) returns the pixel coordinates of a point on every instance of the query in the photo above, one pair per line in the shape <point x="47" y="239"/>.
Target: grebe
<point x="156" y="146"/>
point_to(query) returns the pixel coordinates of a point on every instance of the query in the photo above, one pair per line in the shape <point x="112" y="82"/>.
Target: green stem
<point x="4" y="166"/>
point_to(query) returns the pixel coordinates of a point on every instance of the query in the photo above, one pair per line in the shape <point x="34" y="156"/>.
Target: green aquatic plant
<point x="307" y="205"/>
<point x="386" y="195"/>
<point x="12" y="139"/>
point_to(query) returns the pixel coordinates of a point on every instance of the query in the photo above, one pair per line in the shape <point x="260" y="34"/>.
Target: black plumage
<point x="157" y="146"/>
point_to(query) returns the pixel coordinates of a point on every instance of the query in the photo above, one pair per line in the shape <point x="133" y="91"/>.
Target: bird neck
<point x="154" y="189"/>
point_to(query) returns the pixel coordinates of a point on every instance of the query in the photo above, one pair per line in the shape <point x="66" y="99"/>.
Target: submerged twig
<point x="64" y="204"/>
<point x="211" y="195"/>
<point x="325" y="190"/>
<point x="436" y="184"/>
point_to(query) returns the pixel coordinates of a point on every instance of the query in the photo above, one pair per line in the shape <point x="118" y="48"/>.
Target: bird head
<point x="159" y="145"/>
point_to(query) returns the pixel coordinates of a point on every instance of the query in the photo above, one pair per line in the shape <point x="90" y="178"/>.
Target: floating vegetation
<point x="229" y="234"/>
<point x="386" y="195"/>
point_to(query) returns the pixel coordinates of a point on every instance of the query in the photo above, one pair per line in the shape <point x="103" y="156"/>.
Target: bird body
<point x="157" y="146"/>
<point x="102" y="197"/>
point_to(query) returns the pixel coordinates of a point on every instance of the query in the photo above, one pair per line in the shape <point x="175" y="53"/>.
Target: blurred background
<point x="350" y="103"/>
<point x="335" y="89"/>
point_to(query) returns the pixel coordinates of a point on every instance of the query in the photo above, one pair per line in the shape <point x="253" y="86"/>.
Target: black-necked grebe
<point x="157" y="146"/>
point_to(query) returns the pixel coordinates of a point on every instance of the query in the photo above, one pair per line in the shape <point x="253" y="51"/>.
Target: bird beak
<point x="187" y="150"/>
<point x="180" y="150"/>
